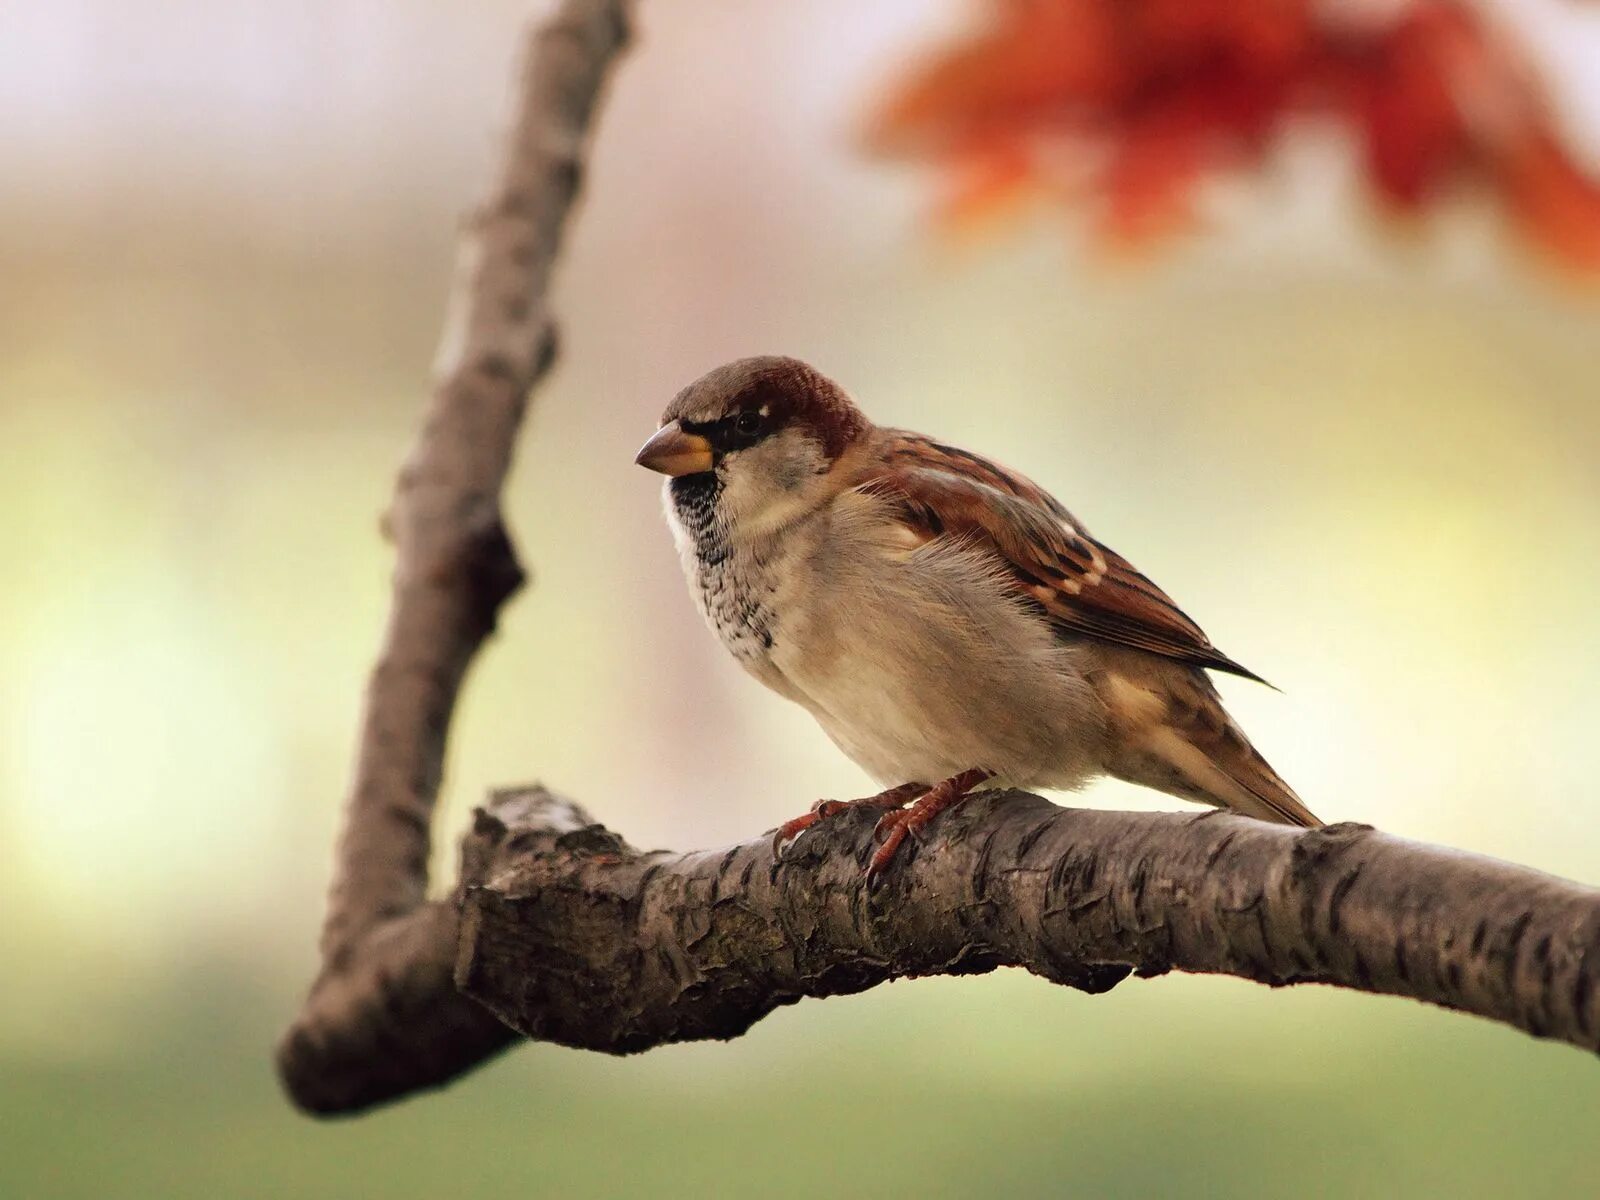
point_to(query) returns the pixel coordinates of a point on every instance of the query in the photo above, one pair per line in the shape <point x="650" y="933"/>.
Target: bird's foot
<point x="895" y="826"/>
<point x="891" y="799"/>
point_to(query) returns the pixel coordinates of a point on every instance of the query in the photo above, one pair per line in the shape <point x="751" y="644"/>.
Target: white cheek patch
<point x="772" y="482"/>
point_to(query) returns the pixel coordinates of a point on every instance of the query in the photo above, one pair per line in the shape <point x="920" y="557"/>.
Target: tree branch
<point x="580" y="939"/>
<point x="385" y="952"/>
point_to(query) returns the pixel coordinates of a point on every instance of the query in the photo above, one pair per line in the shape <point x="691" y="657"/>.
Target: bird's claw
<point x="891" y="799"/>
<point x="896" y="825"/>
<point x="892" y="830"/>
<point x="790" y="830"/>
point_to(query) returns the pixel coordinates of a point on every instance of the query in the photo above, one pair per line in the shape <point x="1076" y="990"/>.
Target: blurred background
<point x="1364" y="453"/>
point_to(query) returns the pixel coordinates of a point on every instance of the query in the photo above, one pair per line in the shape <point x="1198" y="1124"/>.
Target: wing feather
<point x="1083" y="586"/>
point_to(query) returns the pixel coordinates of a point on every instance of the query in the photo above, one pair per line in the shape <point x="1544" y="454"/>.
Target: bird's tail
<point x="1189" y="746"/>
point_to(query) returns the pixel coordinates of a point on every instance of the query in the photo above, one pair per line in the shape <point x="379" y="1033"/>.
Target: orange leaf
<point x="1556" y="204"/>
<point x="1413" y="129"/>
<point x="1040" y="54"/>
<point x="985" y="184"/>
<point x="1142" y="99"/>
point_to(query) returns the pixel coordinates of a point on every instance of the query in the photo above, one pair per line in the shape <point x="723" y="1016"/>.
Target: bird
<point x="950" y="625"/>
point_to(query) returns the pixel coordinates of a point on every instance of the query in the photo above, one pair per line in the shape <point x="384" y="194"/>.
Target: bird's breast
<point x="734" y="586"/>
<point x="917" y="663"/>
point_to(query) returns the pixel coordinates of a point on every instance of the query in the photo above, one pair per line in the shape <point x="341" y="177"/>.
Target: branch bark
<point x="561" y="931"/>
<point x="381" y="1017"/>
<point x="575" y="937"/>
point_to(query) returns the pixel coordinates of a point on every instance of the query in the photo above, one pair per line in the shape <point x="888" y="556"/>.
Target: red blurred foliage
<point x="1135" y="102"/>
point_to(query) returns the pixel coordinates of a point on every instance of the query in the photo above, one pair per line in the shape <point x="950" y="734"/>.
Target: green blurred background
<point x="1369" y="465"/>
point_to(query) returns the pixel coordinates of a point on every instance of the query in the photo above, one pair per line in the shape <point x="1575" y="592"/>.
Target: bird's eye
<point x="747" y="424"/>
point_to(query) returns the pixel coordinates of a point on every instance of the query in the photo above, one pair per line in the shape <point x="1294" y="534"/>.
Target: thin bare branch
<point x="455" y="566"/>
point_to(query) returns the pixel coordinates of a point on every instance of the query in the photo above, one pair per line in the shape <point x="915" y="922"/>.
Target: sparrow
<point x="947" y="621"/>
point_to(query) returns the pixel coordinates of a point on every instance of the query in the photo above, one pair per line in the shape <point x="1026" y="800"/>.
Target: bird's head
<point x="760" y="434"/>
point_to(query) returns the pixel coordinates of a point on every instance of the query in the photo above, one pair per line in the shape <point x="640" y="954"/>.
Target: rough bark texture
<point x="559" y="930"/>
<point x="582" y="940"/>
<point x="381" y="1017"/>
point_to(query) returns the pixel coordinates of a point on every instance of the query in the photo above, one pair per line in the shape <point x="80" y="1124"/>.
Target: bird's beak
<point x="674" y="452"/>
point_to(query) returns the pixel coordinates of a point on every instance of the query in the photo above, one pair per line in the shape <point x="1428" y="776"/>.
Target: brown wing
<point x="1084" y="587"/>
